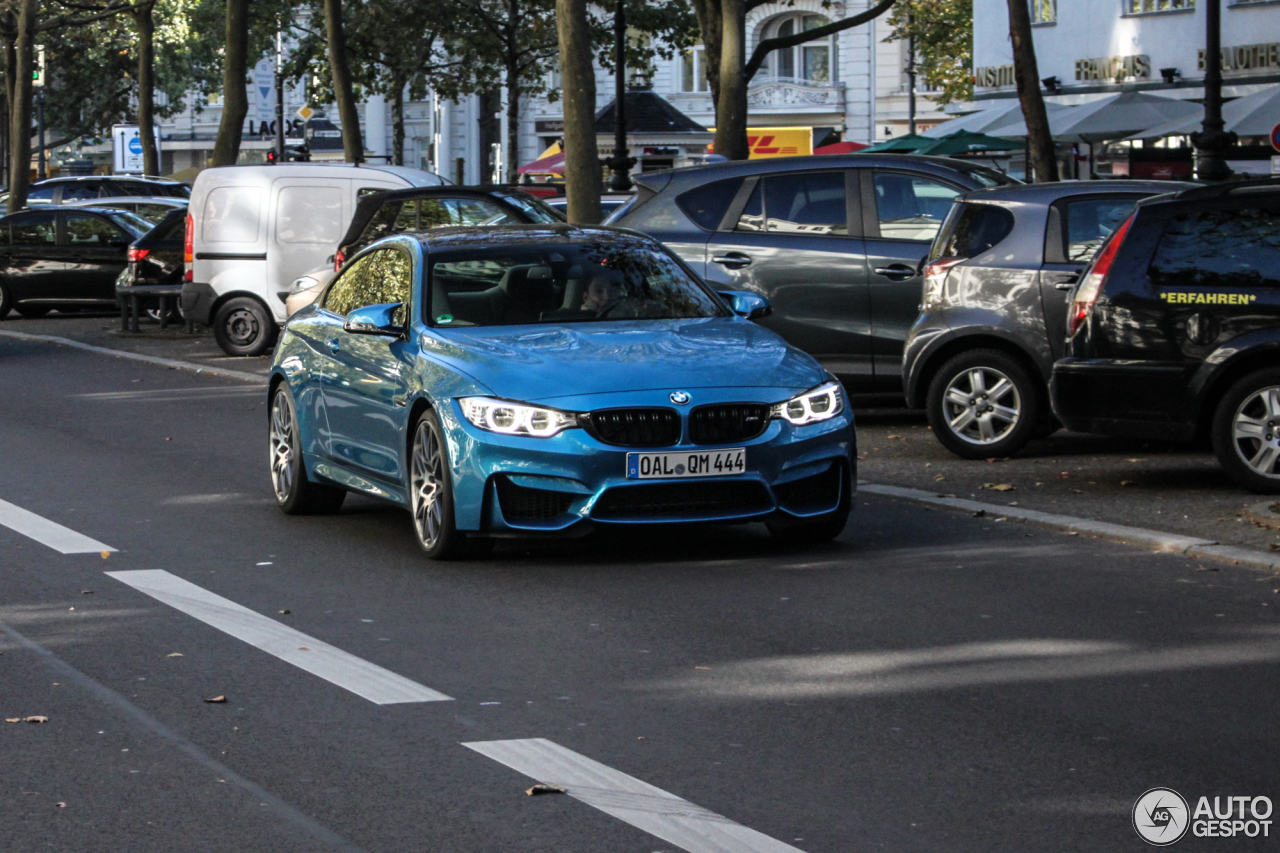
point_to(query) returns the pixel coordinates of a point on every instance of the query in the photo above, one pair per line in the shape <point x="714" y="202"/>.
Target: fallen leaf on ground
<point x="303" y="649"/>
<point x="702" y="667"/>
<point x="285" y="612"/>
<point x="896" y="436"/>
<point x="939" y="478"/>
<point x="1135" y="460"/>
<point x="60" y="805"/>
<point x="1078" y="491"/>
<point x="13" y="719"/>
<point x="1065" y="475"/>
<point x="86" y="592"/>
<point x="946" y="496"/>
<point x="998" y="487"/>
<point x="1208" y="569"/>
<point x="174" y="655"/>
<point x="37" y="719"/>
<point x="1274" y="546"/>
<point x="997" y="459"/>
<point x="216" y="700"/>
<point x="544" y="789"/>
<point x="106" y="554"/>
<point x="1128" y="482"/>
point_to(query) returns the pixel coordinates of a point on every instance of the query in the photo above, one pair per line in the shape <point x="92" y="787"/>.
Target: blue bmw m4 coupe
<point x="545" y="379"/>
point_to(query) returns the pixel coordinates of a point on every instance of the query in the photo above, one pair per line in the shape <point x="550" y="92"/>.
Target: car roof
<point x="372" y="202"/>
<point x="498" y="236"/>
<point x="71" y="179"/>
<point x="694" y="175"/>
<point x="130" y="199"/>
<point x="1048" y="193"/>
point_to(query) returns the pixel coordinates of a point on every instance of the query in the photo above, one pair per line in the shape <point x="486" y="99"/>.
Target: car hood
<point x="543" y="363"/>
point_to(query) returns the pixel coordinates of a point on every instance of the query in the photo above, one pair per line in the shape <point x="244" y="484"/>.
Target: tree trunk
<point x="352" y="143"/>
<point x="146" y="88"/>
<point x="235" y="99"/>
<point x="578" y="80"/>
<point x="10" y="70"/>
<point x="1026" y="74"/>
<point x="397" y="121"/>
<point x="710" y="24"/>
<point x="731" y="106"/>
<point x="20" y="108"/>
<point x="513" y="124"/>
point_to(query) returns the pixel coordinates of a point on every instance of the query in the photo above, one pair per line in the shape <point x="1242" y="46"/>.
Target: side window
<point x="806" y="204"/>
<point x="378" y="278"/>
<point x="910" y="207"/>
<point x="44" y="193"/>
<point x="87" y="229"/>
<point x="151" y="212"/>
<point x="1090" y="222"/>
<point x="706" y="205"/>
<point x="231" y="215"/>
<point x="309" y="215"/>
<point x="35" y="230"/>
<point x="474" y="211"/>
<point x="80" y="191"/>
<point x="1219" y="248"/>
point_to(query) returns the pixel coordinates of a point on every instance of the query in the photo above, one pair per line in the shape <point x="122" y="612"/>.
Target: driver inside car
<point x="602" y="294"/>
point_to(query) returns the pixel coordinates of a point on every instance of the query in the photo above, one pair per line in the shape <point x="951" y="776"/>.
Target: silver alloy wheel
<point x="242" y="327"/>
<point x="281" y="447"/>
<point x="426" y="484"/>
<point x="982" y="405"/>
<point x="1255" y="431"/>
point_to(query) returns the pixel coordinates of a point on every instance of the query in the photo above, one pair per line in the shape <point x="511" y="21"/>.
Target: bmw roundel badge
<point x="680" y="398"/>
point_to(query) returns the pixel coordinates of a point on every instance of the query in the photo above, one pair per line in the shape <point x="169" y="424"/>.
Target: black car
<point x="380" y="214"/>
<point x="64" y="259"/>
<point x="993" y="314"/>
<point x="156" y="257"/>
<point x="89" y="187"/>
<point x="1175" y="329"/>
<point x="833" y="242"/>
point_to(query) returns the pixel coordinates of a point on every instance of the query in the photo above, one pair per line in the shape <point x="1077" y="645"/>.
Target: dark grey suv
<point x="993" y="314"/>
<point x="833" y="242"/>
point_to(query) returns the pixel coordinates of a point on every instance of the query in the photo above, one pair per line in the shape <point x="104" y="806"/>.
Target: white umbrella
<point x="984" y="120"/>
<point x="1252" y="115"/>
<point x="1112" y="117"/>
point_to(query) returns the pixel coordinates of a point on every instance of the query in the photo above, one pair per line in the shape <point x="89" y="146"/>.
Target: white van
<point x="252" y="230"/>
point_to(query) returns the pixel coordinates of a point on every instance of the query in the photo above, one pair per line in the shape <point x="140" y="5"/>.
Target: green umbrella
<point x="963" y="142"/>
<point x="901" y="144"/>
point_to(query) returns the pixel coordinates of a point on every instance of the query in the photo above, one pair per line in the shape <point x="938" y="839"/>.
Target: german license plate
<point x="670" y="466"/>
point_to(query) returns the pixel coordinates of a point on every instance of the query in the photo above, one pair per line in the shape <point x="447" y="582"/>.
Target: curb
<point x="137" y="356"/>
<point x="1171" y="543"/>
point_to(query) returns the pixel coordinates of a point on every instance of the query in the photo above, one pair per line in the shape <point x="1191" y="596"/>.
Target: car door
<point x="902" y="212"/>
<point x="34" y="270"/>
<point x="796" y="239"/>
<point x="95" y="251"/>
<point x="1077" y="227"/>
<point x="309" y="218"/>
<point x="366" y="381"/>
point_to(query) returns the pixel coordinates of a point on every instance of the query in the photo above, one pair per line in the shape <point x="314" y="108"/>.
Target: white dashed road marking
<point x="674" y="820"/>
<point x="46" y="532"/>
<point x="318" y="658"/>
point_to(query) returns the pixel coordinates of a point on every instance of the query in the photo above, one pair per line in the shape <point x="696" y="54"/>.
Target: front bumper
<point x="518" y="485"/>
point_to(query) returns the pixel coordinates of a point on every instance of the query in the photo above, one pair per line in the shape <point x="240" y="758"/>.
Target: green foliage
<point x="943" y="31"/>
<point x="656" y="28"/>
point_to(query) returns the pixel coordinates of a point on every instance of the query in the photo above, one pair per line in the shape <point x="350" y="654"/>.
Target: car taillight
<point x="338" y="260"/>
<point x="136" y="254"/>
<point x="1095" y="278"/>
<point x="935" y="276"/>
<point x="188" y="250"/>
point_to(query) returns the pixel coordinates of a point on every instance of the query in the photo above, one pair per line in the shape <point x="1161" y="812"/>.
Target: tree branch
<point x="767" y="46"/>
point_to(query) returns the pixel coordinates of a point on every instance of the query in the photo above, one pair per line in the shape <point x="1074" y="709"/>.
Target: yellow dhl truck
<point x="766" y="142"/>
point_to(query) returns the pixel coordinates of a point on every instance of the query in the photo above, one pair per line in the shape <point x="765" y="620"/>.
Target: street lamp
<point x="620" y="162"/>
<point x="1214" y="141"/>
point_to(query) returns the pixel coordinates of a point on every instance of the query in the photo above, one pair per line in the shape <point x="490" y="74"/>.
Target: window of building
<point x="811" y="62"/>
<point x="1044" y="11"/>
<point x="1138" y="7"/>
<point x="693" y="70"/>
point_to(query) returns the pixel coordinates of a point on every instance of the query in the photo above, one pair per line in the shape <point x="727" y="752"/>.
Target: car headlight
<point x="306" y="282"/>
<point x="820" y="404"/>
<point x="510" y="418"/>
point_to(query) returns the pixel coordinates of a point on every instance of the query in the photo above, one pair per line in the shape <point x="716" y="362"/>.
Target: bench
<point x="130" y="296"/>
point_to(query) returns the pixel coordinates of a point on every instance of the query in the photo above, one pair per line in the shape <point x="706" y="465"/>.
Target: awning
<point x="1113" y="117"/>
<point x="963" y="142"/>
<point x="839" y="148"/>
<point x="984" y="121"/>
<point x="901" y="144"/>
<point x="1252" y="115"/>
<point x="550" y="163"/>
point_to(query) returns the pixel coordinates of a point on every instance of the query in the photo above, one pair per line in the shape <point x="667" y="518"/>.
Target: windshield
<point x="989" y="177"/>
<point x="131" y="222"/>
<point x="537" y="210"/>
<point x="562" y="283"/>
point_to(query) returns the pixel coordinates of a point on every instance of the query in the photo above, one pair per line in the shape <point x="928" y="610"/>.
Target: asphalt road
<point x="928" y="682"/>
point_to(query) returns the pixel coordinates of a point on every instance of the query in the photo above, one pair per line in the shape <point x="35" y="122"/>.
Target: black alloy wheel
<point x="244" y="327"/>
<point x="295" y="493"/>
<point x="983" y="404"/>
<point x="1246" y="431"/>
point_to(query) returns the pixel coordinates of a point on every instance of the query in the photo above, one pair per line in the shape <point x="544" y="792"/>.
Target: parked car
<point x="539" y="380"/>
<point x="833" y="242"/>
<point x="1175" y="329"/>
<point x="64" y="259"/>
<point x="92" y="187"/>
<point x="156" y="258"/>
<point x="609" y="203"/>
<point x="993" y="314"/>
<point x="379" y="215"/>
<point x="252" y="230"/>
<point x="151" y="209"/>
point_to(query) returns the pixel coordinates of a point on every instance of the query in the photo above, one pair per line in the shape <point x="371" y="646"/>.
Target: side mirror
<point x="375" y="320"/>
<point x="746" y="304"/>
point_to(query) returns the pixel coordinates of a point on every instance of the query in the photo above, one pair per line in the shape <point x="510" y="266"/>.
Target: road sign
<point x="1275" y="137"/>
<point x="305" y="112"/>
<point x="126" y="148"/>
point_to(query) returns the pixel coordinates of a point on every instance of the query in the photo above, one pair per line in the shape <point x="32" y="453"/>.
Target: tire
<point x="175" y="314"/>
<point x="244" y="327"/>
<point x="31" y="311"/>
<point x="431" y="494"/>
<point x="295" y="493"/>
<point x="1246" y="431"/>
<point x="6" y="301"/>
<point x="824" y="528"/>
<point x="984" y="403"/>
